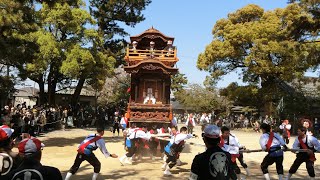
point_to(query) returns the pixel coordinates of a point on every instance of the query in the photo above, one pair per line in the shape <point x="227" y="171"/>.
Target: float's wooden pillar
<point x="163" y="91"/>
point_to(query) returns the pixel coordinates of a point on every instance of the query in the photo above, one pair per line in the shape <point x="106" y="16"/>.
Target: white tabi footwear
<point x="167" y="171"/>
<point x="95" y="176"/>
<point x="123" y="159"/>
<point x="266" y="176"/>
<point x="128" y="161"/>
<point x="68" y="176"/>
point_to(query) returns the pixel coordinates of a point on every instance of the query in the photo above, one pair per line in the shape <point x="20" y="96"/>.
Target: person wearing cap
<point x="85" y="153"/>
<point x="30" y="152"/>
<point x="310" y="144"/>
<point x="231" y="144"/>
<point x="214" y="163"/>
<point x="174" y="148"/>
<point x="272" y="143"/>
<point x="132" y="142"/>
<point x="7" y="156"/>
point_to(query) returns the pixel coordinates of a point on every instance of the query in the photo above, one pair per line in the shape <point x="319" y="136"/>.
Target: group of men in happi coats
<point x="305" y="145"/>
<point x="222" y="150"/>
<point x="169" y="141"/>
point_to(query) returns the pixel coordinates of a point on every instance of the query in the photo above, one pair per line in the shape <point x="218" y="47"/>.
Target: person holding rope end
<point x="85" y="153"/>
<point x="272" y="143"/>
<point x="308" y="143"/>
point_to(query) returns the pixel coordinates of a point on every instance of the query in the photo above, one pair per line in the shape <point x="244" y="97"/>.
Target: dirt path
<point x="61" y="147"/>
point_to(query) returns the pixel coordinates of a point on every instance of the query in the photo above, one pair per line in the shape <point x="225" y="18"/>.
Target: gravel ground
<point x="61" y="149"/>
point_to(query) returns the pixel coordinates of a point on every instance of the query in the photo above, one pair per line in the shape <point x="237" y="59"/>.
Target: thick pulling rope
<point x="241" y="151"/>
<point x="261" y="150"/>
<point x="191" y="143"/>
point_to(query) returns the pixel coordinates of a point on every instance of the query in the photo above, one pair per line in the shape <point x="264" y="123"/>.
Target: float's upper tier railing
<point x="160" y="54"/>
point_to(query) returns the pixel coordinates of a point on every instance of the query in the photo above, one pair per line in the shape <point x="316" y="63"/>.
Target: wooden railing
<point x="133" y="55"/>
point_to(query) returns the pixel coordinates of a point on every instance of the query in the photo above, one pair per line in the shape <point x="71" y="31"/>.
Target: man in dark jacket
<point x="214" y="163"/>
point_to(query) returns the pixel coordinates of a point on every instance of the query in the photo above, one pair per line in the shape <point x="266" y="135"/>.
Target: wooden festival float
<point x="150" y="58"/>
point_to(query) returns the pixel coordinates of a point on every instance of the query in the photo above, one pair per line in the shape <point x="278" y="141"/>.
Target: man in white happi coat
<point x="230" y="143"/>
<point x="310" y="144"/>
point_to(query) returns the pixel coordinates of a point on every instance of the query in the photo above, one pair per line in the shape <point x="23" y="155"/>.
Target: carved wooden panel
<point x="158" y="116"/>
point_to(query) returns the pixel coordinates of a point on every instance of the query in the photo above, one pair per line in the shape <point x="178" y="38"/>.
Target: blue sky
<point x="191" y="23"/>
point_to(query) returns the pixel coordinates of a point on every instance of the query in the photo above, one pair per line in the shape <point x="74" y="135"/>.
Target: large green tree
<point x="16" y="21"/>
<point x="76" y="46"/>
<point x="111" y="16"/>
<point x="198" y="98"/>
<point x="242" y="95"/>
<point x="261" y="45"/>
<point x="62" y="29"/>
<point x="306" y="27"/>
<point x="178" y="82"/>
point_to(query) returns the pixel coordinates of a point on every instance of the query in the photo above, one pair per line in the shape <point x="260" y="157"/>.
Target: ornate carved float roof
<point x="151" y="65"/>
<point x="151" y="33"/>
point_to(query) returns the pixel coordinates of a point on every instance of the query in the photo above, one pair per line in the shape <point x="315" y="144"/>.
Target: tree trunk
<point x="42" y="96"/>
<point x="41" y="92"/>
<point x="52" y="84"/>
<point x="76" y="94"/>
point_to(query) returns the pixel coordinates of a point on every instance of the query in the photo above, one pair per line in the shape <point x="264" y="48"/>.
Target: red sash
<point x="234" y="157"/>
<point x="162" y="130"/>
<point x="190" y="122"/>
<point x="268" y="145"/>
<point x="126" y="120"/>
<point x="288" y="133"/>
<point x="84" y="145"/>
<point x="312" y="157"/>
<point x="221" y="142"/>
